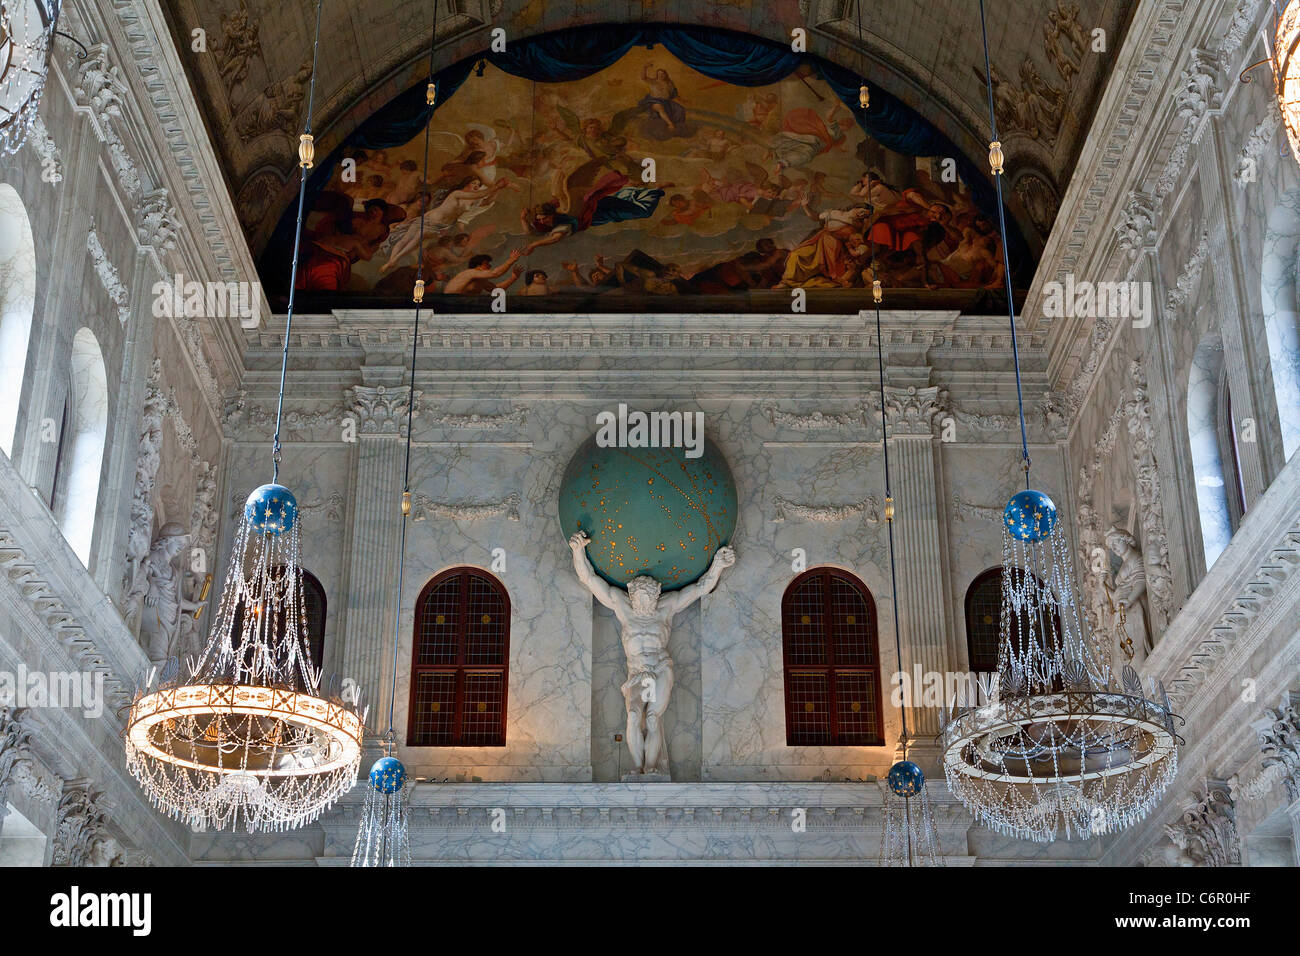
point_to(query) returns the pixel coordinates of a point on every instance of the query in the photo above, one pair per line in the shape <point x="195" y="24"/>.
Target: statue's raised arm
<point x="676" y="601"/>
<point x="592" y="581"/>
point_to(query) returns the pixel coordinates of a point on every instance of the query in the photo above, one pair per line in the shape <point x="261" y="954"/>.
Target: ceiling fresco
<point x="647" y="181"/>
<point x="725" y="206"/>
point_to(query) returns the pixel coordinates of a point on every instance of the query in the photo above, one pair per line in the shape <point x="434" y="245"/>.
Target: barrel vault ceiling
<point x="252" y="85"/>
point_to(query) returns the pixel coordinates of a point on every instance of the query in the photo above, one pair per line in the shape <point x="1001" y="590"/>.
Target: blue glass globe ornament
<point x="271" y="509"/>
<point x="906" y="778"/>
<point x="1029" y="516"/>
<point x="387" y="775"/>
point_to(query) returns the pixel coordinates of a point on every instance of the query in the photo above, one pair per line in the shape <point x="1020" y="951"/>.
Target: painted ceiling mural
<point x="650" y="180"/>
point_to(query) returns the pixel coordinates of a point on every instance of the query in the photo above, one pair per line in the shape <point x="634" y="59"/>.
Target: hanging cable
<point x="431" y="98"/>
<point x="306" y="158"/>
<point x="996" y="163"/>
<point x="877" y="295"/>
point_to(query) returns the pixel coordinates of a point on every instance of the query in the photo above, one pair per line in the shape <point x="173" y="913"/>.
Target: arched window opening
<point x="1207" y="454"/>
<point x="76" y="496"/>
<point x="984" y="622"/>
<point x="311" y="627"/>
<point x="459" y="658"/>
<point x="832" y="662"/>
<point x="17" y="302"/>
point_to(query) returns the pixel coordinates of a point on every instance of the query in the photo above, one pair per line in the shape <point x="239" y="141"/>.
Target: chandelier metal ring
<point x="1150" y="726"/>
<point x="334" y="730"/>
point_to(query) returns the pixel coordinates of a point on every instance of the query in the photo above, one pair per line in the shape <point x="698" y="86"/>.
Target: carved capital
<point x="912" y="410"/>
<point x="1279" y="742"/>
<point x="1206" y="833"/>
<point x="380" y="410"/>
<point x="81" y="834"/>
<point x="1137" y="224"/>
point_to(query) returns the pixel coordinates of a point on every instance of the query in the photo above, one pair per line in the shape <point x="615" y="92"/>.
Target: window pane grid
<point x="458" y="681"/>
<point x="832" y="676"/>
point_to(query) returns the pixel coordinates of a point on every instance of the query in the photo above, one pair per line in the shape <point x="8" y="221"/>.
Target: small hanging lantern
<point x="306" y="151"/>
<point x="417" y="296"/>
<point x="996" y="159"/>
<point x="877" y="292"/>
<point x="864" y="96"/>
<point x="431" y="94"/>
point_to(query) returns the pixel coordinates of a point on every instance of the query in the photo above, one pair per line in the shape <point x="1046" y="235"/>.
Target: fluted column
<point x="380" y="414"/>
<point x="920" y="559"/>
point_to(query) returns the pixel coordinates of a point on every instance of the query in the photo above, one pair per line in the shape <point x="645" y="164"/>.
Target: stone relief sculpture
<point x="645" y="618"/>
<point x="1206" y="833"/>
<point x="17" y="768"/>
<point x="238" y="44"/>
<point x="165" y="606"/>
<point x="146" y="473"/>
<point x="1279" y="742"/>
<point x="81" y="836"/>
<point x="276" y="108"/>
<point x="1128" y="596"/>
<point x="1160" y="581"/>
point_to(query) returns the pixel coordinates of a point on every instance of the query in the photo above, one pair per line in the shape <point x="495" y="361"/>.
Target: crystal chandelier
<point x="383" y="838"/>
<point x="247" y="737"/>
<point x="1286" y="72"/>
<point x="907" y="835"/>
<point x="26" y="33"/>
<point x="1056" y="747"/>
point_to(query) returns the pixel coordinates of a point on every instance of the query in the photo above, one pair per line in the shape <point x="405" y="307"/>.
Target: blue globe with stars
<point x="271" y="509"/>
<point x="387" y="775"/>
<point x="1029" y="516"/>
<point x="906" y="778"/>
<point x="651" y="511"/>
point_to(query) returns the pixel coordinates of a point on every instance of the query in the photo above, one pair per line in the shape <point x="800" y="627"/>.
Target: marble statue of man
<point x="645" y="619"/>
<point x="1130" y="589"/>
<point x="165" y="605"/>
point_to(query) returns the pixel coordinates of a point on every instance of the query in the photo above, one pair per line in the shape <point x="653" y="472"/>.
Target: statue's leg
<point x="656" y="746"/>
<point x="635" y="721"/>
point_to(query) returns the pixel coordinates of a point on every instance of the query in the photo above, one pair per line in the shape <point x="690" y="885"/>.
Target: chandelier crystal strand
<point x="27" y="29"/>
<point x="1056" y="748"/>
<point x="248" y="738"/>
<point x="383" y="838"/>
<point x="907" y="837"/>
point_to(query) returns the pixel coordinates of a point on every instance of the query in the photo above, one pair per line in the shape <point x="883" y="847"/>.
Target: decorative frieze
<point x="46" y="150"/>
<point x="1151" y="510"/>
<point x="516" y="417"/>
<point x="1190" y="275"/>
<point x="963" y="510"/>
<point x="109" y="277"/>
<point x="815" y="420"/>
<point x="1257" y="141"/>
<point x="423" y="507"/>
<point x="868" y="509"/>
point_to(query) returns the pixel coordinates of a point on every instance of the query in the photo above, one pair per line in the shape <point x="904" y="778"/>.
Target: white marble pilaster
<point x="918" y="540"/>
<point x="376" y="512"/>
